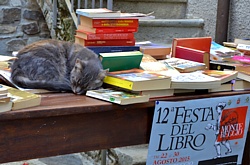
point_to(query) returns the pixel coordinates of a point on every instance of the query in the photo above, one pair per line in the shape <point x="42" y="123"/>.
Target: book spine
<point x="108" y="30"/>
<point x="118" y="82"/>
<point x="96" y="23"/>
<point x="108" y="49"/>
<point x="104" y="42"/>
<point x="103" y="36"/>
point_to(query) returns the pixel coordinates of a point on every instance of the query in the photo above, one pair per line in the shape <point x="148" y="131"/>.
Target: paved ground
<point x="133" y="155"/>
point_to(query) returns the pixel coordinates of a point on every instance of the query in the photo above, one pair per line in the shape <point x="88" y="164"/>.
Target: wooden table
<point x="66" y="123"/>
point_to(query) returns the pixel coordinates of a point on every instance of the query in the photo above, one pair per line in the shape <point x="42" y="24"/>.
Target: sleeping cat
<point x="59" y="66"/>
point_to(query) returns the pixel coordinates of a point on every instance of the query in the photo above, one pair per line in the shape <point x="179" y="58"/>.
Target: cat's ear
<point x="103" y="73"/>
<point x="80" y="65"/>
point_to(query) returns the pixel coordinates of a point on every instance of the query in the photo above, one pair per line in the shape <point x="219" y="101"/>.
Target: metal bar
<point x="73" y="14"/>
<point x="101" y="3"/>
<point x="54" y="14"/>
<point x="104" y="156"/>
<point x="72" y="6"/>
<point x="93" y="4"/>
<point x="78" y="6"/>
<point x="222" y="21"/>
<point x="110" y="4"/>
<point x="86" y="4"/>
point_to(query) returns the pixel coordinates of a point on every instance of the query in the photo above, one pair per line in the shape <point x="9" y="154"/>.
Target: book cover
<point x="109" y="22"/>
<point x="183" y="65"/>
<point x="116" y="61"/>
<point x="22" y="99"/>
<point x="244" y="48"/>
<point x="106" y="30"/>
<point x="193" y="55"/>
<point x="161" y="67"/>
<point x="109" y="49"/>
<point x="199" y="43"/>
<point x="82" y="41"/>
<point x="99" y="12"/>
<point x="224" y="76"/>
<point x="117" y="96"/>
<point x="138" y="80"/>
<point x="194" y="80"/>
<point x="156" y="50"/>
<point x="104" y="36"/>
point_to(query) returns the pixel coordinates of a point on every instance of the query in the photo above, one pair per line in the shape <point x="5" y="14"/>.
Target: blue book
<point x="110" y="49"/>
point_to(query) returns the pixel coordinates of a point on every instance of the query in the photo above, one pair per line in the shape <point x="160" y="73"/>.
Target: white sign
<point x="199" y="132"/>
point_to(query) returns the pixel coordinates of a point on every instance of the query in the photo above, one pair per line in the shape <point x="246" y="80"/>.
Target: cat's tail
<point x="60" y="86"/>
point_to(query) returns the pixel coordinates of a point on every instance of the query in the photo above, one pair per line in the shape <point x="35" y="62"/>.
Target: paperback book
<point x="117" y="96"/>
<point x="160" y="67"/>
<point x="22" y="99"/>
<point x="183" y="65"/>
<point x="100" y="12"/>
<point x="194" y="80"/>
<point x="138" y="80"/>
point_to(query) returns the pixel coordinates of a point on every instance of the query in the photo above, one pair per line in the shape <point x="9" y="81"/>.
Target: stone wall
<point x="21" y="23"/>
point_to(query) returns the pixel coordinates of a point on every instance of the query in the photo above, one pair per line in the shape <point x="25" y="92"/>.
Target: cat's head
<point x="86" y="75"/>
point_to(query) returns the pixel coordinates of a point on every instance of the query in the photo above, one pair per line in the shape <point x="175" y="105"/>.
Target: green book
<point x="117" y="61"/>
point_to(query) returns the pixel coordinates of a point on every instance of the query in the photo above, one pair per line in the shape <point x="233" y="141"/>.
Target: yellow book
<point x="22" y="99"/>
<point x="138" y="80"/>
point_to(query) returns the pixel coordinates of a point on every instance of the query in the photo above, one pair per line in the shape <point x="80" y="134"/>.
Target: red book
<point x="82" y="41"/>
<point x="108" y="29"/>
<point x="109" y="22"/>
<point x="104" y="36"/>
<point x="193" y="55"/>
<point x="199" y="43"/>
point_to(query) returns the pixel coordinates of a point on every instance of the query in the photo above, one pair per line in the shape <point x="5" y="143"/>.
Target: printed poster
<point x="199" y="132"/>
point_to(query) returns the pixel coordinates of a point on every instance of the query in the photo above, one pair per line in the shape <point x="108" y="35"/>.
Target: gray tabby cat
<point x="59" y="66"/>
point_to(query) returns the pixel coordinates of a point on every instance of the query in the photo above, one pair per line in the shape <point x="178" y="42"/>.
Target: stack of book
<point x="137" y="83"/>
<point x="103" y="27"/>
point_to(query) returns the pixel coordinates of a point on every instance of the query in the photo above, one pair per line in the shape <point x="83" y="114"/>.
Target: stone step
<point x="164" y="30"/>
<point x="171" y="9"/>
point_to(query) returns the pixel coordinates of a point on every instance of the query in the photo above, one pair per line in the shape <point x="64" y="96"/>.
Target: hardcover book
<point x="108" y="29"/>
<point x="109" y="22"/>
<point x="183" y="65"/>
<point x="100" y="12"/>
<point x="82" y="41"/>
<point x="104" y="36"/>
<point x="198" y="43"/>
<point x="116" y="61"/>
<point x="138" y="80"/>
<point x="110" y="49"/>
<point x="193" y="55"/>
<point x="117" y="96"/>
